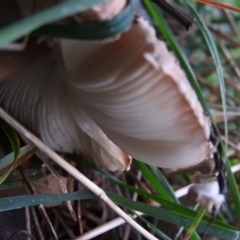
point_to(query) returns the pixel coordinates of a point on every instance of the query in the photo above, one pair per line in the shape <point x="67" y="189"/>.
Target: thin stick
<point x="65" y="227"/>
<point x="134" y="198"/>
<point x="62" y="186"/>
<point x="28" y="222"/>
<point x="41" y="207"/>
<point x="74" y="172"/>
<point x="36" y="222"/>
<point x="219" y="5"/>
<point x="102" y="229"/>
<point x="22" y="232"/>
<point x="79" y="213"/>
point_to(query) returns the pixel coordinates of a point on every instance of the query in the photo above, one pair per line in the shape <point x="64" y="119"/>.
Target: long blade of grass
<point x="175" y="218"/>
<point x="10" y="203"/>
<point x="57" y="12"/>
<point x="9" y="161"/>
<point x="212" y="47"/>
<point x="164" y="183"/>
<point x="175" y="47"/>
<point x="90" y="30"/>
<point x="152" y="180"/>
<point x="159" y="183"/>
<point x="14" y="141"/>
<point x="207" y="36"/>
<point x="217" y="229"/>
<point x="163" y="202"/>
<point x="155" y="229"/>
<point x="195" y="223"/>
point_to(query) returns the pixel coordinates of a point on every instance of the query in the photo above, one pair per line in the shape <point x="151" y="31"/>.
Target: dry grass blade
<point x="22" y="232"/>
<point x="28" y="221"/>
<point x="219" y="5"/>
<point x="74" y="172"/>
<point x="41" y="207"/>
<point x="62" y="185"/>
<point x="102" y="229"/>
<point x="36" y="223"/>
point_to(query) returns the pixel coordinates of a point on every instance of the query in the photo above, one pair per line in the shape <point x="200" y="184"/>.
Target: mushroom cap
<point x="112" y="100"/>
<point x="135" y="91"/>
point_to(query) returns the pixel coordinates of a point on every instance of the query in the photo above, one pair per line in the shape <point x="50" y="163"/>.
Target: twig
<point x="102" y="229"/>
<point x="234" y="146"/>
<point x="62" y="186"/>
<point x="37" y="225"/>
<point x="230" y="59"/>
<point x="24" y="232"/>
<point x="74" y="172"/>
<point x="134" y="198"/>
<point x="41" y="207"/>
<point x="231" y="20"/>
<point x="66" y="228"/>
<point x="79" y="213"/>
<point x="224" y="36"/>
<point x="28" y="222"/>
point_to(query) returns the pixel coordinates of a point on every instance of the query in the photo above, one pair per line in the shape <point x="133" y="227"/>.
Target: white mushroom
<point x="207" y="194"/>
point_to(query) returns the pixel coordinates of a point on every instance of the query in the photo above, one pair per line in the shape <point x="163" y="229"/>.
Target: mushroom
<point x="112" y="100"/>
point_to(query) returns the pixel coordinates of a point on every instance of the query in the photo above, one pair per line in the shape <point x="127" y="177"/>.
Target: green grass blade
<point x="176" y="218"/>
<point x="152" y="180"/>
<point x="212" y="47"/>
<point x="163" y="202"/>
<point x="10" y="203"/>
<point x="57" y="12"/>
<point x="164" y="183"/>
<point x="217" y="229"/>
<point x="159" y="183"/>
<point x="166" y="31"/>
<point x="195" y="223"/>
<point x="9" y="159"/>
<point x="14" y="141"/>
<point x="154" y="229"/>
<point x="90" y="30"/>
<point x="207" y="36"/>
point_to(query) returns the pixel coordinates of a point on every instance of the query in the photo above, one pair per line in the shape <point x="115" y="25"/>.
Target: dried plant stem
<point x="219" y="5"/>
<point x="134" y="198"/>
<point x="103" y="228"/>
<point x="73" y="171"/>
<point x="232" y="23"/>
<point x="22" y="232"/>
<point x="62" y="186"/>
<point x="28" y="221"/>
<point x="79" y="213"/>
<point x="230" y="59"/>
<point x="62" y="222"/>
<point x="36" y="222"/>
<point x="41" y="207"/>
